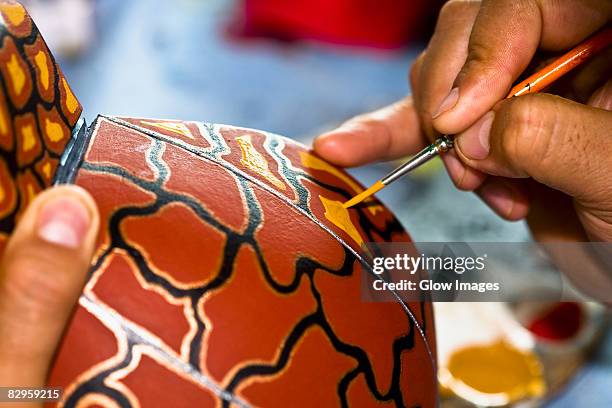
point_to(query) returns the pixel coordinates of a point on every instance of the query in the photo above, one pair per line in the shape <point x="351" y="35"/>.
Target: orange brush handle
<point x="563" y="64"/>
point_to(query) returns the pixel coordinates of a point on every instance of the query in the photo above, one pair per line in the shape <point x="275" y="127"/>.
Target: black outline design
<point x="234" y="240"/>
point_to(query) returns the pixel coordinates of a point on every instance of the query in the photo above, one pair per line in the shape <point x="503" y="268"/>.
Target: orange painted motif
<point x="15" y="72"/>
<point x="35" y="121"/>
<point x="28" y="187"/>
<point x="45" y="168"/>
<point x="29" y="145"/>
<point x="16" y="18"/>
<point x="7" y="139"/>
<point x="39" y="58"/>
<point x="8" y="192"/>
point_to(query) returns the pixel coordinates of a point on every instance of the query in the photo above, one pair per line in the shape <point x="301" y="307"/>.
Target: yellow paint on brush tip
<point x="340" y="217"/>
<point x="493" y="375"/>
<point x="364" y="194"/>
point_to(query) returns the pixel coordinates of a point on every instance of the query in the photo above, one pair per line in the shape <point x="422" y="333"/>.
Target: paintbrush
<point x="534" y="83"/>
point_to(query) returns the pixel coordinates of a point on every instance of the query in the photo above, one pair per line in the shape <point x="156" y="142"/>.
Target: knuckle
<point x="413" y="74"/>
<point x="528" y="135"/>
<point x="453" y="7"/>
<point x="478" y="52"/>
<point x="455" y="15"/>
<point x="364" y="122"/>
<point x="483" y="62"/>
<point x="379" y="127"/>
<point x="482" y="65"/>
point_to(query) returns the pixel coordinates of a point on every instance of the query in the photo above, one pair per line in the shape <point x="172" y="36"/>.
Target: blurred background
<point x="296" y="68"/>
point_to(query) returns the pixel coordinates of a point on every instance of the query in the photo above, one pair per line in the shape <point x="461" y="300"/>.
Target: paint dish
<point x="494" y="374"/>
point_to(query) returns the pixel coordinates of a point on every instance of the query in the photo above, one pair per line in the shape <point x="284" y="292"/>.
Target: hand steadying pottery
<point x="42" y="272"/>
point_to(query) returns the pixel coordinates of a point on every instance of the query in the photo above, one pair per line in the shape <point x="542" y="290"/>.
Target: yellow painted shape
<point x="495" y="374"/>
<point x="31" y="191"/>
<point x="71" y="101"/>
<point x="313" y="162"/>
<point x="2" y="193"/>
<point x="255" y="161"/>
<point x="54" y="130"/>
<point x="46" y="169"/>
<point x="18" y="77"/>
<point x="41" y="62"/>
<point x="3" y="123"/>
<point x="339" y="216"/>
<point x="176" y="127"/>
<point x="15" y="13"/>
<point x="28" y="138"/>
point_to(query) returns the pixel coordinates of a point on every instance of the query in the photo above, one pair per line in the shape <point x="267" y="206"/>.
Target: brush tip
<point x="364" y="195"/>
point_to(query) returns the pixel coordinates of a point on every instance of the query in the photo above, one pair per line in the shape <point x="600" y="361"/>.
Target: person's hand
<point x="42" y="273"/>
<point x="537" y="156"/>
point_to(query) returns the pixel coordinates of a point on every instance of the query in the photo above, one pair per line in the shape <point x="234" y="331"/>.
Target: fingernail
<point x="499" y="197"/>
<point x="455" y="168"/>
<point x="474" y="142"/>
<point x="448" y="103"/>
<point x="64" y="221"/>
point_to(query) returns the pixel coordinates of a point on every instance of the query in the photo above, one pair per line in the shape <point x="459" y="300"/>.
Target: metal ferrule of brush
<point x="440" y="145"/>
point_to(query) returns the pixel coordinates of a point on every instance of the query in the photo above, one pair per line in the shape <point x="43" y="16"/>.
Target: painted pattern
<point x="38" y="112"/>
<point x="219" y="281"/>
<point x="220" y="278"/>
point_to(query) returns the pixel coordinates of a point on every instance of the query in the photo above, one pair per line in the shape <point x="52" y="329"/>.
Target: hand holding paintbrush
<point x="535" y="83"/>
<point x="540" y="157"/>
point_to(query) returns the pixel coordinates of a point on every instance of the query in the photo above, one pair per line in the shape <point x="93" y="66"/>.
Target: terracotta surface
<point x="222" y="281"/>
<point x="218" y="279"/>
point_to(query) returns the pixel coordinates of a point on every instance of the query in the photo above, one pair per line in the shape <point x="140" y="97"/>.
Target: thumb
<point x="504" y="39"/>
<point x="557" y="142"/>
<point x="42" y="273"/>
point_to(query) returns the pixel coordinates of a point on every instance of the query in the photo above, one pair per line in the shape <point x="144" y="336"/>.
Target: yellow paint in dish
<point x="494" y="374"/>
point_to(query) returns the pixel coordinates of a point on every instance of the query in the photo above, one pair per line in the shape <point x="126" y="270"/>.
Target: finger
<point x="580" y="85"/>
<point x="413" y="77"/>
<point x="41" y="276"/>
<point x="389" y="133"/>
<point x="446" y="54"/>
<point x="562" y="144"/>
<point x="602" y="98"/>
<point x="465" y="178"/>
<point x="548" y="206"/>
<point x="504" y="39"/>
<point x="566" y="23"/>
<point x="543" y="218"/>
<point x="507" y="198"/>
